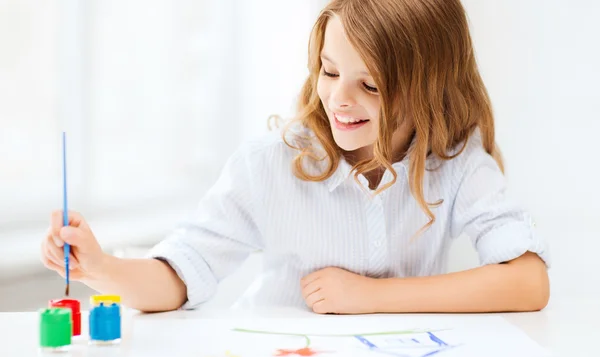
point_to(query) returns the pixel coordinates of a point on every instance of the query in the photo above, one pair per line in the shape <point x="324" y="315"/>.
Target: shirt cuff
<point x="510" y="241"/>
<point x="200" y="283"/>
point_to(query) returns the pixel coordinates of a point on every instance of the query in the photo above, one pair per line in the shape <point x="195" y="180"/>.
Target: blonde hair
<point x="420" y="56"/>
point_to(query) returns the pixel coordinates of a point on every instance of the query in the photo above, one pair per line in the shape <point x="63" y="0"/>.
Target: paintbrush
<point x="66" y="247"/>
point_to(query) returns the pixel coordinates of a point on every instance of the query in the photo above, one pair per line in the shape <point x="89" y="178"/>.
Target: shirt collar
<point x="344" y="173"/>
<point x="341" y="174"/>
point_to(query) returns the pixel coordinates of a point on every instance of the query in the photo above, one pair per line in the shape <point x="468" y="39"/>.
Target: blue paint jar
<point x="105" y="324"/>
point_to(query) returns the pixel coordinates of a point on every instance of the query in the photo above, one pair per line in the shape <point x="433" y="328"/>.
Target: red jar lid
<point x="73" y="304"/>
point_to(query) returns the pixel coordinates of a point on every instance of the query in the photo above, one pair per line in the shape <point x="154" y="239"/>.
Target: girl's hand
<point x="338" y="291"/>
<point x="86" y="258"/>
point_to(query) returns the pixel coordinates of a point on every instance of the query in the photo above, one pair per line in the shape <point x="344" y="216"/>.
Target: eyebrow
<point x="325" y="57"/>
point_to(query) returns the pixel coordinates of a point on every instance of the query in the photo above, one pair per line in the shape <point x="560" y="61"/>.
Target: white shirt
<point x="258" y="203"/>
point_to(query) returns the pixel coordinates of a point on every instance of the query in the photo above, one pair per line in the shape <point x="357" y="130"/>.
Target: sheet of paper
<point x="367" y="335"/>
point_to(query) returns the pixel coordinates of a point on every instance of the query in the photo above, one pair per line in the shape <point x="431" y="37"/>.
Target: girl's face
<point x="347" y="91"/>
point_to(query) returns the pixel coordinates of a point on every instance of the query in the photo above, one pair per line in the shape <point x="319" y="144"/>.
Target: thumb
<point x="77" y="237"/>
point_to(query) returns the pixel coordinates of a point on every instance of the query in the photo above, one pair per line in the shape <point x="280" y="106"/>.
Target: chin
<point x="351" y="140"/>
<point x="347" y="143"/>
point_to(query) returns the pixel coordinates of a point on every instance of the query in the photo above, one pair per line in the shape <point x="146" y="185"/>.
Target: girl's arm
<point x="518" y="285"/>
<point x="143" y="284"/>
<point x="148" y="285"/>
<point x="183" y="270"/>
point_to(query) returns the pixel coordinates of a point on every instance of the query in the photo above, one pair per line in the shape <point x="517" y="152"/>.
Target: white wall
<point x="273" y="57"/>
<point x="540" y="61"/>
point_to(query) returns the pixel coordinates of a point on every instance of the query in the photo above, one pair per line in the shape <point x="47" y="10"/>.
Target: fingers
<point x="55" y="254"/>
<point x="74" y="275"/>
<point x="77" y="233"/>
<point x="57" y="222"/>
<point x="310" y="288"/>
<point x="314" y="297"/>
<point x="50" y="249"/>
<point x="320" y="307"/>
<point x="312" y="293"/>
<point x="77" y="237"/>
<point x="50" y="264"/>
<point x="55" y="239"/>
<point x="309" y="279"/>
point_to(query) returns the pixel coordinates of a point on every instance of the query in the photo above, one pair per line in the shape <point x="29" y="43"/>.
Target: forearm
<point x="520" y="286"/>
<point x="145" y="284"/>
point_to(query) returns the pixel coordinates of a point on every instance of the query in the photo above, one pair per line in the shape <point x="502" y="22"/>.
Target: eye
<point x="370" y="88"/>
<point x="328" y="74"/>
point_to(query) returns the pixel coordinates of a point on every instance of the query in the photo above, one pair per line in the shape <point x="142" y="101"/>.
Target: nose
<point x="341" y="95"/>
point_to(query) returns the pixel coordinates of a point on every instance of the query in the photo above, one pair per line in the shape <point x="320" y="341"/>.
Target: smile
<point x="343" y="122"/>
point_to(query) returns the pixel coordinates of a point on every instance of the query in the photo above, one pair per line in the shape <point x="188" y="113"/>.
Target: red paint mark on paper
<point x="301" y="352"/>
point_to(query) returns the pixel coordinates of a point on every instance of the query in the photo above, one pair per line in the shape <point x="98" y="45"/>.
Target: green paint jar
<point x="56" y="327"/>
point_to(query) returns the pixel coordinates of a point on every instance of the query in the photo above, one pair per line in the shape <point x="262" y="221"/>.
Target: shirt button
<point x="377" y="243"/>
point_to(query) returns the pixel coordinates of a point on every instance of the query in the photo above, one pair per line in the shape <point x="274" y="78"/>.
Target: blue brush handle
<point x="66" y="247"/>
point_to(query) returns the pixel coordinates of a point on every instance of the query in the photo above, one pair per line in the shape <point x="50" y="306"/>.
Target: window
<point x="136" y="88"/>
<point x="154" y="96"/>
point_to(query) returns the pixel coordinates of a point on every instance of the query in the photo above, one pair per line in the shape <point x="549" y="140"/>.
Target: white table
<point x="568" y="327"/>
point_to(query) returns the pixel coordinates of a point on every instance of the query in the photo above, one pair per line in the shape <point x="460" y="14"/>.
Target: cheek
<point x="372" y="105"/>
<point x="323" y="92"/>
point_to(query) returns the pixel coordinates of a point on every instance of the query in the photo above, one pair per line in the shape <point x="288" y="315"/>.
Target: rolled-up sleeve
<point x="498" y="226"/>
<point x="218" y="236"/>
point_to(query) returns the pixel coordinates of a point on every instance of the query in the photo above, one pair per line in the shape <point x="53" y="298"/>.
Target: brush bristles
<point x="67" y="290"/>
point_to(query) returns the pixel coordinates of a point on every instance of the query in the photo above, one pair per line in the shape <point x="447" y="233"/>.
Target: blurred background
<point x="155" y="95"/>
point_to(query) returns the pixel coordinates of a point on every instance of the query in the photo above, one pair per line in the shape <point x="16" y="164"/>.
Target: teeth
<point x="345" y="119"/>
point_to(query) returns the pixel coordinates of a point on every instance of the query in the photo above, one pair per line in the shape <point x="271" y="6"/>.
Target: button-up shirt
<point x="258" y="204"/>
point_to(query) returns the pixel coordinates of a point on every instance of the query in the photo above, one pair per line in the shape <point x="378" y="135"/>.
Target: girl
<point x="356" y="202"/>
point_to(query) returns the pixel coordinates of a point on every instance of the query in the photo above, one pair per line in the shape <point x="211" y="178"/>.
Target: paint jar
<point x="55" y="329"/>
<point x="95" y="300"/>
<point x="75" y="307"/>
<point x="105" y="324"/>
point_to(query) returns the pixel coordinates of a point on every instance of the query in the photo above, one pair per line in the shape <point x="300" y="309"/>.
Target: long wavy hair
<point x="420" y="55"/>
